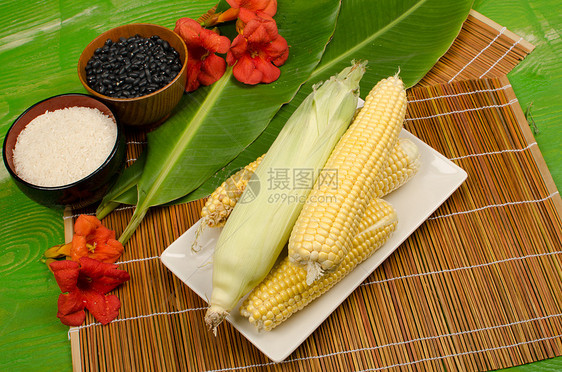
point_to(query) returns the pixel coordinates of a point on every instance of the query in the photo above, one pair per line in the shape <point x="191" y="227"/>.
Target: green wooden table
<point x="40" y="42"/>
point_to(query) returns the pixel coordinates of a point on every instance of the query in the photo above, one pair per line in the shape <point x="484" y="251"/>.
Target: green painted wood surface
<point x="40" y="42"/>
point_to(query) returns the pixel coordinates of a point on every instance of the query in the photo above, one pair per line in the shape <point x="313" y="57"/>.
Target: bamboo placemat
<point x="475" y="287"/>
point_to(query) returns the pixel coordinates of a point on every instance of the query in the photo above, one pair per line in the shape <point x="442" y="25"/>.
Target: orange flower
<point x="204" y="67"/>
<point x="257" y="52"/>
<point x="92" y="239"/>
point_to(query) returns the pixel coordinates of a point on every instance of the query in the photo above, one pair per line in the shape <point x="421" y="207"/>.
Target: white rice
<point x="63" y="146"/>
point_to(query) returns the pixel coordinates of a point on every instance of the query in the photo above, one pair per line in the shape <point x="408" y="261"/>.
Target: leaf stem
<point x="105" y="209"/>
<point x="135" y="221"/>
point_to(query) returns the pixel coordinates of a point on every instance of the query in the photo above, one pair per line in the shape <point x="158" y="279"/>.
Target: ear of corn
<point x="329" y="220"/>
<point x="220" y="203"/>
<point x="402" y="164"/>
<point x="257" y="230"/>
<point x="285" y="291"/>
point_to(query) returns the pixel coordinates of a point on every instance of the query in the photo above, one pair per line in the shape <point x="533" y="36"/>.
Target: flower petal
<point x="189" y="30"/>
<point x="86" y="225"/>
<point x="238" y="48"/>
<point x="78" y="248"/>
<point x="214" y="42"/>
<point x="245" y="71"/>
<point x="66" y="274"/>
<point x="102" y="234"/>
<point x="108" y="252"/>
<point x="245" y="16"/>
<point x="267" y="6"/>
<point x="261" y="30"/>
<point x="193" y="68"/>
<point x="212" y="69"/>
<point x="270" y="7"/>
<point x="103" y="308"/>
<point x="278" y="51"/>
<point x="71" y="308"/>
<point x="73" y="319"/>
<point x="71" y="302"/>
<point x="99" y="276"/>
<point x="269" y="72"/>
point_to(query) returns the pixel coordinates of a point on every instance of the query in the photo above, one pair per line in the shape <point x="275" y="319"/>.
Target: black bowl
<point x="78" y="194"/>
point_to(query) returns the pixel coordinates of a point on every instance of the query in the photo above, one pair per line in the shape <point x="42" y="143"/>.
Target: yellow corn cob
<point x="284" y="291"/>
<point x="330" y="218"/>
<point x="221" y="202"/>
<point x="402" y="164"/>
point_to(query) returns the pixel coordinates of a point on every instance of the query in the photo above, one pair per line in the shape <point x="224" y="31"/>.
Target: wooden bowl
<point x="151" y="109"/>
<point x="81" y="193"/>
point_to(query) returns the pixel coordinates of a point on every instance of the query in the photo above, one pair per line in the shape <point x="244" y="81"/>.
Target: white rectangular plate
<point x="414" y="202"/>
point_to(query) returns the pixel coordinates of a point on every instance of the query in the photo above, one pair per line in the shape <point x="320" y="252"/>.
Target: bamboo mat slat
<point x="483" y="49"/>
<point x="476" y="287"/>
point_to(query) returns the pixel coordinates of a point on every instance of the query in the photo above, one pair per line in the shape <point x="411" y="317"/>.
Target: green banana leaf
<point x="212" y="125"/>
<point x="407" y="36"/>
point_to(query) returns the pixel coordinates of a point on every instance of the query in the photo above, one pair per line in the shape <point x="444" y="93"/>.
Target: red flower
<point x="269" y="7"/>
<point x="204" y="67"/>
<point x="92" y="239"/>
<point x="242" y="9"/>
<point x="87" y="282"/>
<point x="257" y="51"/>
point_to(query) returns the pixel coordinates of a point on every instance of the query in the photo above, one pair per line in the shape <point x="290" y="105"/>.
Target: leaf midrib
<point x="186" y="137"/>
<point x="358" y="46"/>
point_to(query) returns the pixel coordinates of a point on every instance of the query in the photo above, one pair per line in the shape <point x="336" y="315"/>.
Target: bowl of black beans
<point x="139" y="70"/>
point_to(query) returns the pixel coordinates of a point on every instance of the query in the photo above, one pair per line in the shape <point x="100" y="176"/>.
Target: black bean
<point x="132" y="66"/>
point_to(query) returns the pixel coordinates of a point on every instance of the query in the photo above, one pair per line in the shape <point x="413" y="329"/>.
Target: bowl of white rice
<point x="66" y="150"/>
